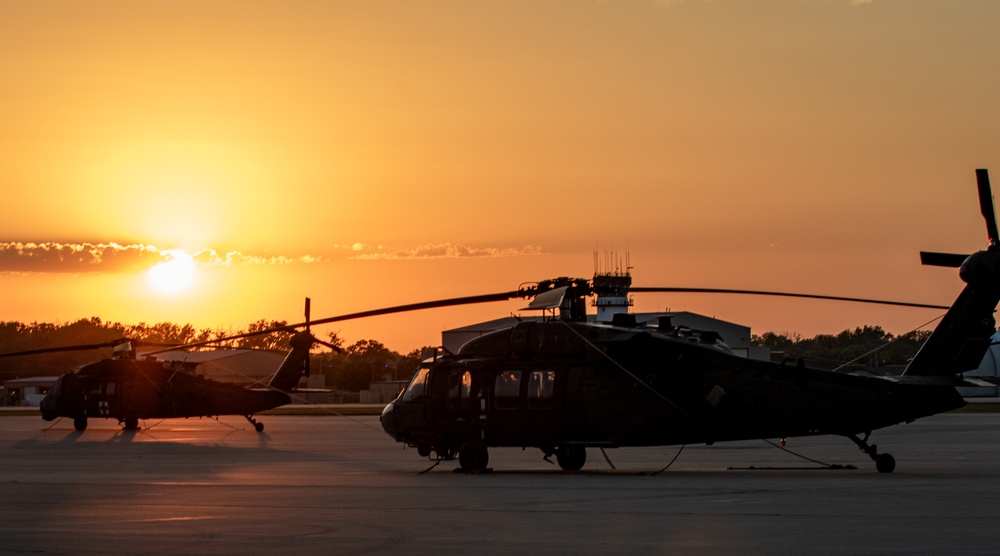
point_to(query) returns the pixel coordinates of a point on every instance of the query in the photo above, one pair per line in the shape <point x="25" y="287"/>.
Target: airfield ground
<point x="315" y="484"/>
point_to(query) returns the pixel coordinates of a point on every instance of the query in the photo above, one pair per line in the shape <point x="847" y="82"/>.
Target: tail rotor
<point x="986" y="204"/>
<point x="955" y="260"/>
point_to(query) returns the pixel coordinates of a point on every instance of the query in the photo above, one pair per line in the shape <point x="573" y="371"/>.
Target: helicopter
<point x="565" y="384"/>
<point x="129" y="389"/>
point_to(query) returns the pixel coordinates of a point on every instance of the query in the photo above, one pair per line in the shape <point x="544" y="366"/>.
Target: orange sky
<point x="377" y="153"/>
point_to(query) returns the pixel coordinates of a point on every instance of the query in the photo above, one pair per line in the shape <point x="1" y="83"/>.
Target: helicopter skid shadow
<point x="124" y="436"/>
<point x="641" y="472"/>
<point x="71" y="438"/>
<point x="834" y="467"/>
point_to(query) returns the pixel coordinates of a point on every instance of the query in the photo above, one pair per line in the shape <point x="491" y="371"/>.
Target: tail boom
<point x="963" y="337"/>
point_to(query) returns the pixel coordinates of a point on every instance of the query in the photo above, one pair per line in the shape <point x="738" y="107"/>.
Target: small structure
<point x="26" y="391"/>
<point x="989" y="370"/>
<point x="383" y="392"/>
<point x="612" y="295"/>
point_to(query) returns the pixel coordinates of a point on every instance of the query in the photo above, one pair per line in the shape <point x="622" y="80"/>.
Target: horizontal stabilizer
<point x="951" y="260"/>
<point x="986" y="203"/>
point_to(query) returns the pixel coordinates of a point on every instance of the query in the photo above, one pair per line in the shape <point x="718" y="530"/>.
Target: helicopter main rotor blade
<point x="986" y="204"/>
<point x="504" y="296"/>
<point x="950" y="260"/>
<point x="786" y="294"/>
<point x="83" y="347"/>
<point x="471" y="300"/>
<point x="78" y="347"/>
<point x="307" y="312"/>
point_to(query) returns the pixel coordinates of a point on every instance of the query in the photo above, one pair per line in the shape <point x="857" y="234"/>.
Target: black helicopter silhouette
<point x="130" y="389"/>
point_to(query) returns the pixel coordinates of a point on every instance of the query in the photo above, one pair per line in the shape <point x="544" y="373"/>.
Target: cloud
<point x="75" y="257"/>
<point x="682" y="2"/>
<point x="72" y="258"/>
<point x="53" y="257"/>
<point x="450" y="251"/>
<point x="236" y="258"/>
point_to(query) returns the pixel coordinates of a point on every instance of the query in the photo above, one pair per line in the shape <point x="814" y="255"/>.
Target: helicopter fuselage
<point x="129" y="390"/>
<point x="559" y="383"/>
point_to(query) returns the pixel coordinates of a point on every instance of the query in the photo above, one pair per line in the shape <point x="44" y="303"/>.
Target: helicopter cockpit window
<point x="460" y="385"/>
<point x="418" y="385"/>
<point x="541" y="386"/>
<point x="460" y="389"/>
<point x="507" y="389"/>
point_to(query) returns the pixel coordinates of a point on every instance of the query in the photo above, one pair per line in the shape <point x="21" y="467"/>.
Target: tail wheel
<point x="80" y="423"/>
<point x="473" y="456"/>
<point x="885" y="463"/>
<point x="257" y="426"/>
<point x="571" y="458"/>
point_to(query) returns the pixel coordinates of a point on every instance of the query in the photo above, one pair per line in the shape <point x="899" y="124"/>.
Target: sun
<point x="173" y="275"/>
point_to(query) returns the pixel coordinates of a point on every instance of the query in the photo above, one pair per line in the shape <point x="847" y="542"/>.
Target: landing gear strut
<point x="259" y="427"/>
<point x="884" y="463"/>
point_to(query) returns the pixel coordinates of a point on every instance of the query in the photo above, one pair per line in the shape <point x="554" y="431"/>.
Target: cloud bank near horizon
<point x="449" y="251"/>
<point x="111" y="257"/>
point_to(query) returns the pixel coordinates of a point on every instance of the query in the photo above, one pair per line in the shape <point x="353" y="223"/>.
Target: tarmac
<point x="338" y="485"/>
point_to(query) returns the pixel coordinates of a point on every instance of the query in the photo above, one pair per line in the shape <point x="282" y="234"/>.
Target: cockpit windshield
<point x="417" y="388"/>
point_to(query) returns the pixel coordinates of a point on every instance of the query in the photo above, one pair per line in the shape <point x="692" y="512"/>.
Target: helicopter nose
<point x="388" y="419"/>
<point x="49" y="405"/>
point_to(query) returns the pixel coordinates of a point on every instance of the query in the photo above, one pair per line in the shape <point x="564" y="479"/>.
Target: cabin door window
<point x="460" y="389"/>
<point x="507" y="390"/>
<point x="541" y="388"/>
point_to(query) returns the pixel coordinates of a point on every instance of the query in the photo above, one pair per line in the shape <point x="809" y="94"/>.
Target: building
<point x="613" y="302"/>
<point x="736" y="336"/>
<point x="26" y="391"/>
<point x="989" y="371"/>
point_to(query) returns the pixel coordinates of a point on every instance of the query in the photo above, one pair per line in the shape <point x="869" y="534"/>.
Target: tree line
<point x="352" y="370"/>
<point x="367" y="361"/>
<point x="866" y="346"/>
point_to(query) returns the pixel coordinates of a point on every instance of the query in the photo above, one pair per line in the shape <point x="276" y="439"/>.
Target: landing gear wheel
<point x="571" y="458"/>
<point x="473" y="456"/>
<point x="885" y="463"/>
<point x="80" y="423"/>
<point x="259" y="427"/>
<point x="130" y="423"/>
<point x="424" y="450"/>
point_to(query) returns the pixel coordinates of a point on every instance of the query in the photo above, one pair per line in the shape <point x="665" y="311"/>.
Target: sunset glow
<point x="173" y="275"/>
<point x="381" y="153"/>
